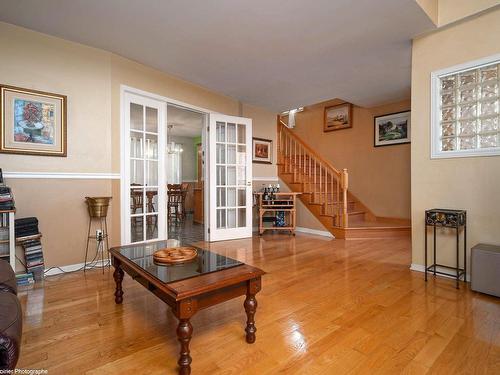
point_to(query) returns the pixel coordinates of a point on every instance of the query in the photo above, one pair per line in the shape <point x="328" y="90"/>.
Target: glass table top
<point x="206" y="261"/>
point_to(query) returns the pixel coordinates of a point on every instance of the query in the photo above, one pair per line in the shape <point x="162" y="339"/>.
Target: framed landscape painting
<point x="338" y="117"/>
<point x="32" y="122"/>
<point x="262" y="151"/>
<point x="392" y="129"/>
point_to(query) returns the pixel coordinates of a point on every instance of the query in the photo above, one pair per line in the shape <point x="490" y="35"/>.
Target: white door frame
<point x="124" y="198"/>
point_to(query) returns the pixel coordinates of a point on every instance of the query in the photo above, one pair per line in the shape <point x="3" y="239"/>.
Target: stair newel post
<point x="345" y="185"/>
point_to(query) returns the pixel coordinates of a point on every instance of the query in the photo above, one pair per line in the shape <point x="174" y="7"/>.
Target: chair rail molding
<point x="63" y="175"/>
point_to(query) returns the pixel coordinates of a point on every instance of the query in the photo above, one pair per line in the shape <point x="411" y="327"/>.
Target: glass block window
<point x="466" y="111"/>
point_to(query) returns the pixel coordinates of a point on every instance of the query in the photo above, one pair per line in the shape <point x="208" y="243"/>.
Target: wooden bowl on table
<point x="175" y="255"/>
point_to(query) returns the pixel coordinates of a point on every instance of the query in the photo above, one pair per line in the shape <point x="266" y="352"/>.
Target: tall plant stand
<point x="444" y="218"/>
<point x="98" y="212"/>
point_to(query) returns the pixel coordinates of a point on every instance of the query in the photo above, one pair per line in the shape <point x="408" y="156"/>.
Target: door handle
<point x="249" y="183"/>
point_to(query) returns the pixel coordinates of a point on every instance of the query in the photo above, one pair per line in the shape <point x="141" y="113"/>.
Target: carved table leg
<point x="250" y="308"/>
<point x="184" y="333"/>
<point x="118" y="276"/>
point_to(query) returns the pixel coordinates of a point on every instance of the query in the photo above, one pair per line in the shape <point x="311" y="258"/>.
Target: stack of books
<point x="6" y="198"/>
<point x="27" y="226"/>
<point x="34" y="257"/>
<point x="25" y="279"/>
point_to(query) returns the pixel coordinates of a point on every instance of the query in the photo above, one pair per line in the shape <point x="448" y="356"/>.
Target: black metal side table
<point x="445" y="218"/>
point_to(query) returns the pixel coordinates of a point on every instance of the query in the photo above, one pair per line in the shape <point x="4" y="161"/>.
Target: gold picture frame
<point x="338" y="117"/>
<point x="32" y="122"/>
<point x="262" y="150"/>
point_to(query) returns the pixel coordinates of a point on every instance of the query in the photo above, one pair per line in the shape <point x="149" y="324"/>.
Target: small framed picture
<point x="338" y="117"/>
<point x="32" y="122"/>
<point x="392" y="129"/>
<point x="262" y="151"/>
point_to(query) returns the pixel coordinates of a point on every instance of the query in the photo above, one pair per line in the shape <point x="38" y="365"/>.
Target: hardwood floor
<point x="326" y="307"/>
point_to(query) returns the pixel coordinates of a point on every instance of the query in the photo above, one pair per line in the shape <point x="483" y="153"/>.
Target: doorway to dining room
<point x="184" y="171"/>
<point x="178" y="179"/>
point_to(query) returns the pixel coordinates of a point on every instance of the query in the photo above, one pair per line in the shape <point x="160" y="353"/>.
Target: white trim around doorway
<point x="124" y="89"/>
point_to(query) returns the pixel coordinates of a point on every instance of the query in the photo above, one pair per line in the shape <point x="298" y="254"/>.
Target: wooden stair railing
<point x="327" y="185"/>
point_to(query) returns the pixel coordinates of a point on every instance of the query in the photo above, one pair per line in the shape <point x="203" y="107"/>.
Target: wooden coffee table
<point x="206" y="281"/>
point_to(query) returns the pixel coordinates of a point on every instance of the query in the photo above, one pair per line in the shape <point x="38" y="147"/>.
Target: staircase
<point x="325" y="192"/>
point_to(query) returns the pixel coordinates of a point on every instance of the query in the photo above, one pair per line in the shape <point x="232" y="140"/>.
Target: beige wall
<point x="454" y="10"/>
<point x="91" y="79"/>
<point x="378" y="176"/>
<point x="264" y="126"/>
<point x="188" y="157"/>
<point x="60" y="207"/>
<point x="431" y="9"/>
<point x="443" y="12"/>
<point x="37" y="61"/>
<point x="469" y="183"/>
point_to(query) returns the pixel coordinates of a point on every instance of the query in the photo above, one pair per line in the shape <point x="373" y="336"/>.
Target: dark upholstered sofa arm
<point x="10" y="330"/>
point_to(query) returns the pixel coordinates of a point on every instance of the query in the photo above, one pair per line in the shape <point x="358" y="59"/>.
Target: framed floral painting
<point x="32" y="122"/>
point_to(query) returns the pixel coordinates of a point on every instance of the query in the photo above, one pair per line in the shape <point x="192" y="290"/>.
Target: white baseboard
<point x="421" y="268"/>
<point x="69" y="268"/>
<point x="307" y="230"/>
<point x="317" y="232"/>
<point x="259" y="178"/>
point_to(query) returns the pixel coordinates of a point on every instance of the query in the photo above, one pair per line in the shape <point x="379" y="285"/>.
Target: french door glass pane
<point x="151" y="227"/>
<point x="242" y="217"/>
<point x="151" y="120"/>
<point x="231" y="154"/>
<point x="221" y="153"/>
<point x="221" y="218"/>
<point x="137" y="172"/>
<point x="231" y="197"/>
<point x="151" y="200"/>
<point x="231" y="133"/>
<point x="231" y="175"/>
<point x="152" y="173"/>
<point x="221" y="175"/>
<point x="136" y="116"/>
<point x="151" y="149"/>
<point x="136" y="145"/>
<point x="221" y="197"/>
<point x="136" y="228"/>
<point x="242" y="178"/>
<point x="242" y="155"/>
<point x="241" y="133"/>
<point x="231" y="218"/>
<point x="242" y="197"/>
<point x="221" y="132"/>
<point x="136" y="201"/>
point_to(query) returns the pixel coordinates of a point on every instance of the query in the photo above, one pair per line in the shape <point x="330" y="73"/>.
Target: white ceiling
<point x="278" y="54"/>
<point x="185" y="123"/>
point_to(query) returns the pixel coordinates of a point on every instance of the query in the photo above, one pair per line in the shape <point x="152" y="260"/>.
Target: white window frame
<point x="436" y="152"/>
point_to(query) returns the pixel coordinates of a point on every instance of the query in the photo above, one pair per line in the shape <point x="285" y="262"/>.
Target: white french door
<point x="230" y="183"/>
<point x="143" y="170"/>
